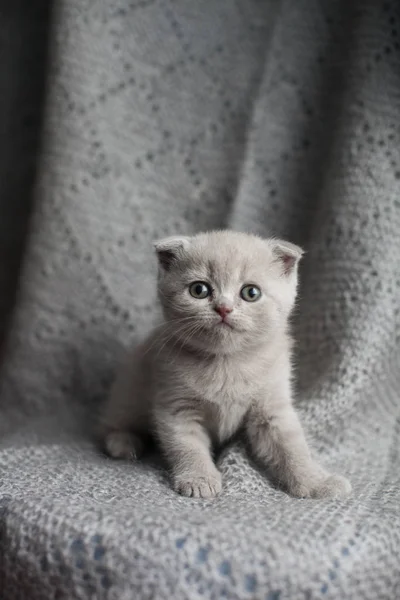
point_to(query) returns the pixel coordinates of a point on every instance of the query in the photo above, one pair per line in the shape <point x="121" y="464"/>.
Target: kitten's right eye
<point x="200" y="290"/>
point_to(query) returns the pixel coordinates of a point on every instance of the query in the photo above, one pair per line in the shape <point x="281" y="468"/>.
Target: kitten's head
<point x="224" y="291"/>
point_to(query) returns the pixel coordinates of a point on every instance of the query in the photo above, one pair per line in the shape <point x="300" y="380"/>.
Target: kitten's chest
<point x="219" y="378"/>
<point x="226" y="391"/>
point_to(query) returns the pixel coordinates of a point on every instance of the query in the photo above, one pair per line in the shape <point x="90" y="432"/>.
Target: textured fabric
<point x="167" y="116"/>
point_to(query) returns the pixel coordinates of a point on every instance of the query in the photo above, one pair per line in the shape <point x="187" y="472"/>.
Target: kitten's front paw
<point x="331" y="486"/>
<point x="198" y="487"/>
<point x="334" y="486"/>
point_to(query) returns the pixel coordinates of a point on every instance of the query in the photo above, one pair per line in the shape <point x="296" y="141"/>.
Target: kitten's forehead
<point x="230" y="257"/>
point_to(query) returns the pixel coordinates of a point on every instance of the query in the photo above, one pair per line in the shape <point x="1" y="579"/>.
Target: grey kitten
<point x="220" y="362"/>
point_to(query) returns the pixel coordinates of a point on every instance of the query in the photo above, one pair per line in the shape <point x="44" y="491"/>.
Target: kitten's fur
<point x="196" y="381"/>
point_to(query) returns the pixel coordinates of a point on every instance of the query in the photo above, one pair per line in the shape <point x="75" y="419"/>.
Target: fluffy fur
<point x="217" y="365"/>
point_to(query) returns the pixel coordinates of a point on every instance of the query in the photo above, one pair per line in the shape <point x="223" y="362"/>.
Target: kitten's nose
<point x="223" y="310"/>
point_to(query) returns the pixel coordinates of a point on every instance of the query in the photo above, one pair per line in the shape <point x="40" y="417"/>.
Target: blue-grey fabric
<point x="170" y="116"/>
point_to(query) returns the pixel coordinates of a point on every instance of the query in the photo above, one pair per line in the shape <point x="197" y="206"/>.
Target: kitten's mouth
<point x="224" y="323"/>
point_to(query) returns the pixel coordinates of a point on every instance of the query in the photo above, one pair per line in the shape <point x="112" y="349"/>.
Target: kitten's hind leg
<point x="123" y="423"/>
<point x="123" y="444"/>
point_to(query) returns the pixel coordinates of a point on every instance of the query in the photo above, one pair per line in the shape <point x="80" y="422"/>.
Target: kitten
<point x="220" y="362"/>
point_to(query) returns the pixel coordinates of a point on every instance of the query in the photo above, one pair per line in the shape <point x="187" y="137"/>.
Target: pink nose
<point x="223" y="310"/>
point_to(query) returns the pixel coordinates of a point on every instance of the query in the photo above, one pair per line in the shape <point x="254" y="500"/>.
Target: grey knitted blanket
<point x="165" y="116"/>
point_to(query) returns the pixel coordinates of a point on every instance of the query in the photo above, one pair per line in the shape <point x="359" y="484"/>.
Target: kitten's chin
<point x="213" y="337"/>
<point x="209" y="340"/>
<point x="224" y="325"/>
<point x="221" y="339"/>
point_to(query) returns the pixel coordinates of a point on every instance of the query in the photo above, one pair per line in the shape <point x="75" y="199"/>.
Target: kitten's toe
<point x="299" y="490"/>
<point x="334" y="486"/>
<point x="198" y="487"/>
<point x="123" y="444"/>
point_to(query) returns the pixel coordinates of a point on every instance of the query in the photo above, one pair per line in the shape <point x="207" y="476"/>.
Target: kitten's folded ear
<point x="289" y="254"/>
<point x="170" y="250"/>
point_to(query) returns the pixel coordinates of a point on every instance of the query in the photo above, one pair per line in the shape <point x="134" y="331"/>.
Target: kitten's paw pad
<point x="334" y="486"/>
<point x="123" y="444"/>
<point x="198" y="487"/>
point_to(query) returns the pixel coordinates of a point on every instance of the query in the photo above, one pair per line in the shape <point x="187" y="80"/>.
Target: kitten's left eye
<point x="250" y="293"/>
<point x="200" y="290"/>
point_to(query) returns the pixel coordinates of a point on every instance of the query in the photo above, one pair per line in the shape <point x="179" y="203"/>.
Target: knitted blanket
<point x="168" y="116"/>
